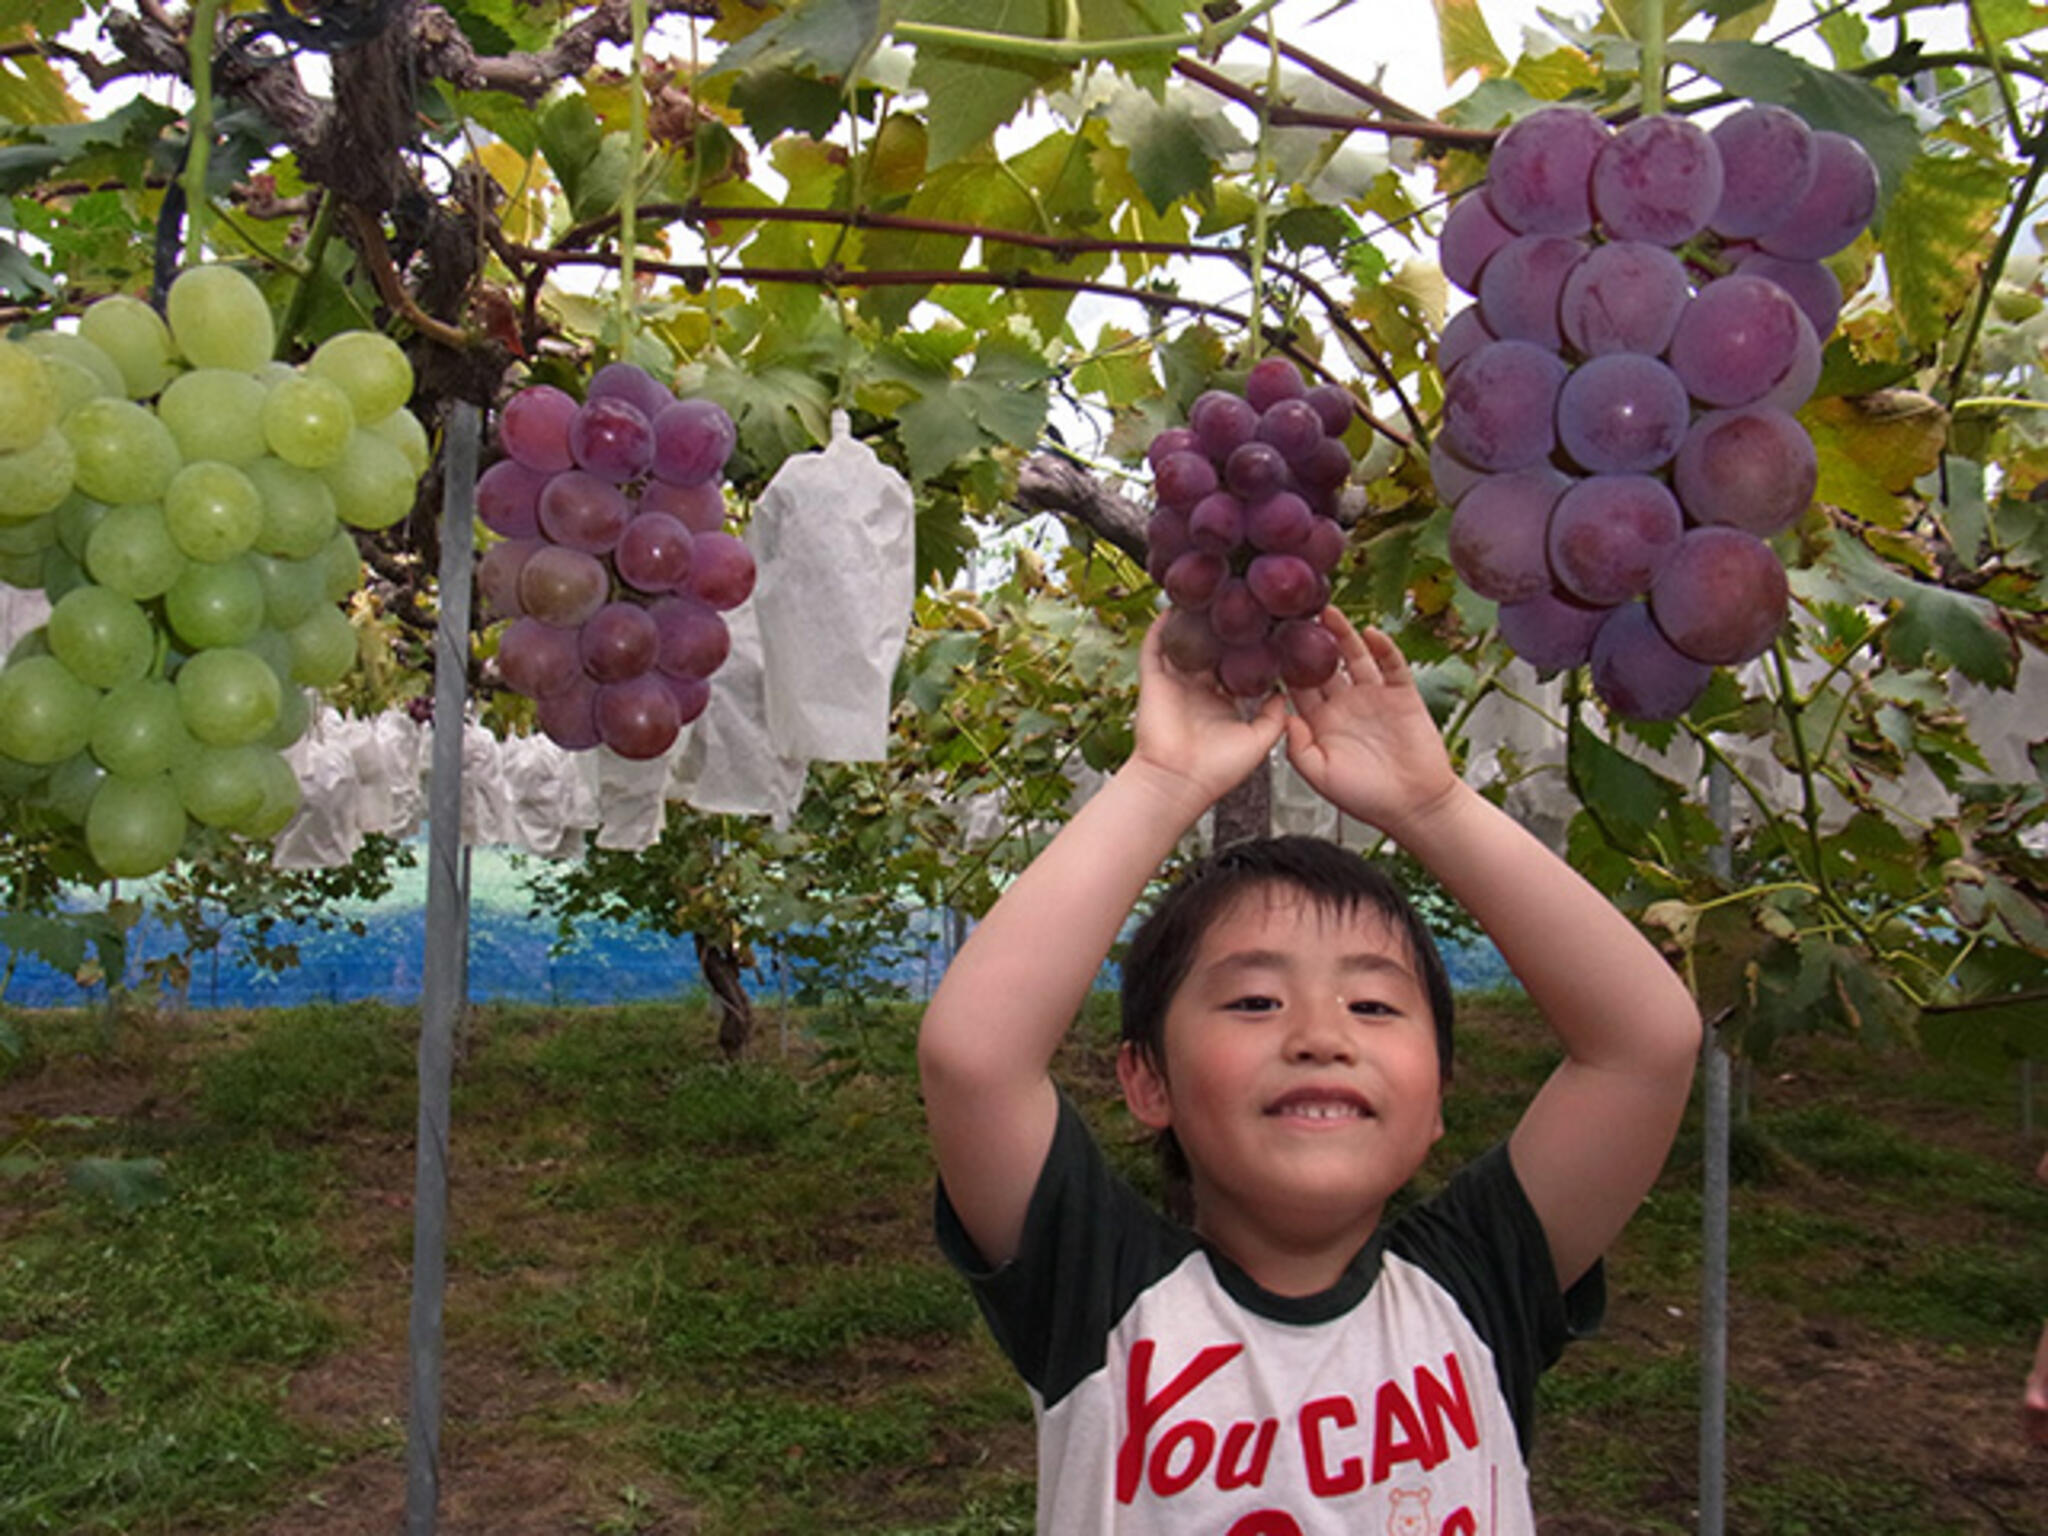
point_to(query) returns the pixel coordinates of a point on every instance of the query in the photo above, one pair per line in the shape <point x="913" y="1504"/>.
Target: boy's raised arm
<point x="1004" y="1005"/>
<point x="1592" y="1141"/>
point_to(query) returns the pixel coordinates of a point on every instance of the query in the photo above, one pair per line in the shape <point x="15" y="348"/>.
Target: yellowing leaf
<point x="1467" y="41"/>
<point x="1937" y="234"/>
<point x="1872" y="448"/>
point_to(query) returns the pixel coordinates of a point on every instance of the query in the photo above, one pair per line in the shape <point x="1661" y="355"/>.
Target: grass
<point x="691" y="1295"/>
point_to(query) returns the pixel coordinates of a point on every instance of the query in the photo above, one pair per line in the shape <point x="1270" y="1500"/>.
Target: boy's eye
<point x="1252" y="1004"/>
<point x="1372" y="1007"/>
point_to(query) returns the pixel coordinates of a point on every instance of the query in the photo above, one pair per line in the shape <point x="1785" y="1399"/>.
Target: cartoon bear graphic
<point x="1409" y="1514"/>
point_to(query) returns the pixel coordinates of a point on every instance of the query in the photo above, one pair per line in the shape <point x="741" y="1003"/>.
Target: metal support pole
<point x="442" y="975"/>
<point x="1714" y="1224"/>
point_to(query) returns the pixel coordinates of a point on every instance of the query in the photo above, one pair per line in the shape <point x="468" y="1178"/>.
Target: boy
<point x="1287" y="1364"/>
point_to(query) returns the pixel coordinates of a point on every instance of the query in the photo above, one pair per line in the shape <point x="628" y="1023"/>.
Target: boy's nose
<point x="1319" y="1033"/>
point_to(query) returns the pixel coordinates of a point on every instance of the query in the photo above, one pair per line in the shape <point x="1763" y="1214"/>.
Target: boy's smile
<point x="1300" y="1078"/>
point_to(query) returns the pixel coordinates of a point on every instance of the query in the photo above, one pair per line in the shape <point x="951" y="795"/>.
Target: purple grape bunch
<point x="1243" y="534"/>
<point x="1618" y="437"/>
<point x="613" y="562"/>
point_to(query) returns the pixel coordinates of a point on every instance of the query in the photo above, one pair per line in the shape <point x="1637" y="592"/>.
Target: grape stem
<point x="199" y="127"/>
<point x="1651" y="59"/>
<point x="636" y="151"/>
<point x="1068" y="50"/>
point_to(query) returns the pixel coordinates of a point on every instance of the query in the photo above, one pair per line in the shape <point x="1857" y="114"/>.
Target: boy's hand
<point x="1189" y="729"/>
<point x="1364" y="740"/>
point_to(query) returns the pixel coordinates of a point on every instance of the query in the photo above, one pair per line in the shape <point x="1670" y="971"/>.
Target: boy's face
<point x="1300" y="1073"/>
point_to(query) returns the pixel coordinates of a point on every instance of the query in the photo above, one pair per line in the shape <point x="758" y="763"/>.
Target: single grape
<point x="307" y="421"/>
<point x="374" y="484"/>
<point x="692" y="441"/>
<point x="619" y="641"/>
<point x="213" y="511"/>
<point x="1279" y="523"/>
<point x="1498" y="541"/>
<point x="135" y="827"/>
<point x="1189" y="643"/>
<point x="131" y="552"/>
<point x="721" y="570"/>
<point x="1287" y="586"/>
<point x="38" y="478"/>
<point x="1170" y="440"/>
<point x="1637" y="671"/>
<point x="1813" y="286"/>
<point x="1625" y="296"/>
<point x="227" y="696"/>
<point x="1521" y="287"/>
<point x="137" y="729"/>
<point x="699" y="508"/>
<point x="280" y="802"/>
<point x="1271" y="380"/>
<point x="580" y="511"/>
<point x="612" y="440"/>
<point x="1500" y="406"/>
<point x="508" y="498"/>
<point x="1768" y="159"/>
<point x="1471" y="234"/>
<point x="220" y="319"/>
<point x="211" y="414"/>
<point x="1450" y="475"/>
<point x="1191" y="581"/>
<point x="1249" y="671"/>
<point x="134" y="338"/>
<point x="294" y="715"/>
<point x="1463" y="334"/>
<point x="1254" y="470"/>
<point x="1324" y="546"/>
<point x="1237" y="615"/>
<point x="1325" y="466"/>
<point x="497" y="576"/>
<point x="46" y="713"/>
<point x="1222" y="423"/>
<point x="103" y="637"/>
<point x="1294" y="427"/>
<point x="215" y="603"/>
<point x="692" y="696"/>
<point x="539" y="659"/>
<point x="637" y="718"/>
<point x="292" y="589"/>
<point x="1335" y="406"/>
<point x="1217" y="523"/>
<point x="1539" y="176"/>
<point x="1722" y="596"/>
<point x="323" y="648"/>
<point x="74" y="522"/>
<point x="1658" y="179"/>
<point x="28" y="401"/>
<point x="1549" y="630"/>
<point x="1753" y="468"/>
<point x="221" y="786"/>
<point x="562" y="586"/>
<point x="1167" y="538"/>
<point x="1837" y="207"/>
<point x="68" y="787"/>
<point x="1183" y="479"/>
<point x="569" y="717"/>
<point x="634" y="385"/>
<point x="1622" y="414"/>
<point x="298" y="509"/>
<point x="653" y="554"/>
<point x="30" y="536"/>
<point x="341" y="564"/>
<point x="1308" y="653"/>
<point x="1742" y="339"/>
<point x="694" y="639"/>
<point x="122" y="453"/>
<point x="533" y="428"/>
<point x="407" y="433"/>
<point x="67" y="353"/>
<point x="367" y="366"/>
<point x="1611" y="534"/>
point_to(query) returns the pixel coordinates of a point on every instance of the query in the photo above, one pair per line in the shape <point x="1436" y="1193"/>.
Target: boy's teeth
<point x="1324" y="1111"/>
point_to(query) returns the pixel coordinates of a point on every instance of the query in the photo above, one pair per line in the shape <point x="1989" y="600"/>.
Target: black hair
<point x="1334" y="879"/>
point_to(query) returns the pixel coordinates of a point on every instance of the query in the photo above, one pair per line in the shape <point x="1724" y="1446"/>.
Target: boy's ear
<point x="1144" y="1088"/>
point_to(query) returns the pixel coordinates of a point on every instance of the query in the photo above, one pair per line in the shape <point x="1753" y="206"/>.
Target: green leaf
<point x="1169" y="151"/>
<point x="1937" y="239"/>
<point x="1931" y="625"/>
<point x="32" y="92"/>
<point x="972" y="92"/>
<point x="127" y="1184"/>
<point x="775" y="101"/>
<point x="1467" y="41"/>
<point x="1629" y="797"/>
<point x="827" y="39"/>
<point x="569" y="138"/>
<point x="1826" y="99"/>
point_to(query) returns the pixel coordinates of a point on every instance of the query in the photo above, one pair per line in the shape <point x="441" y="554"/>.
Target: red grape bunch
<point x="613" y="562"/>
<point x="1618" y="437"/>
<point x="1243" y="535"/>
<point x="188" y="506"/>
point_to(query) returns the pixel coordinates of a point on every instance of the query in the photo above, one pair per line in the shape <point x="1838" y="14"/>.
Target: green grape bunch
<point x="189" y="508"/>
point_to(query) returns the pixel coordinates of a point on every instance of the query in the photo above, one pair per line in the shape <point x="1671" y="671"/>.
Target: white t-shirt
<point x="1175" y="1396"/>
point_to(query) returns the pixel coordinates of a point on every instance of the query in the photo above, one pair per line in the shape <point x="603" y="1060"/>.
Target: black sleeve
<point x="1091" y="1244"/>
<point x="1482" y="1240"/>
